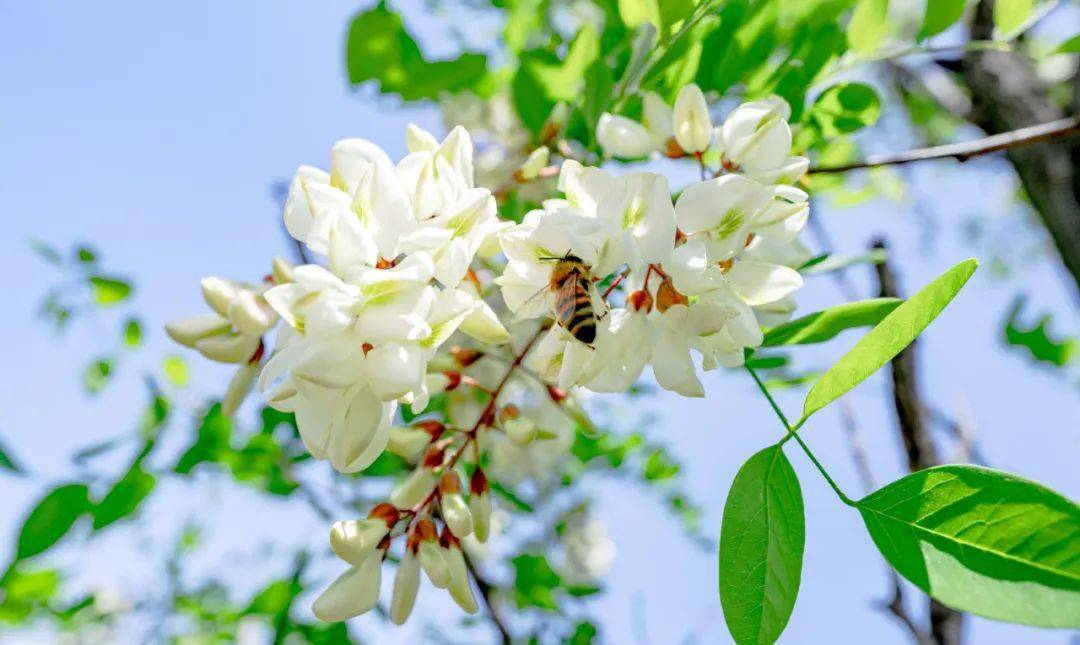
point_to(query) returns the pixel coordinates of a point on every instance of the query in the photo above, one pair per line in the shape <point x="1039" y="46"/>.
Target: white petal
<point x="353" y="593"/>
<point x="759" y="283"/>
<point x="406" y="583"/>
<point x="672" y="366"/>
<point x="623" y="137"/>
<point x="693" y="126"/>
<point x="187" y="331"/>
<point x="395" y="369"/>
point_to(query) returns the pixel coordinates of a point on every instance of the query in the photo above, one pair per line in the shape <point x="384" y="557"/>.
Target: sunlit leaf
<point x="1011" y="15"/>
<point x="889" y="337"/>
<point x="761" y="548"/>
<point x="535" y="582"/>
<point x="822" y="326"/>
<point x="845" y="108"/>
<point x="940" y="15"/>
<point x="97" y="374"/>
<point x="132" y="333"/>
<point x="176" y="370"/>
<point x="51" y="519"/>
<point x="868" y="26"/>
<point x="1070" y="46"/>
<point x="109" y="291"/>
<point x="982" y="541"/>
<point x="658" y="466"/>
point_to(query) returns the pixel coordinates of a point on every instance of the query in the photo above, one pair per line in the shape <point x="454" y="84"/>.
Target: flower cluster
<point x="631" y="277"/>
<point x="699" y="272"/>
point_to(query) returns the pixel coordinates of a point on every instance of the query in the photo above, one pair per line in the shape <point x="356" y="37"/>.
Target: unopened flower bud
<point x="483" y="325"/>
<point x="668" y="296"/>
<point x="414" y="488"/>
<point x="355" y="540"/>
<point x="228" y="348"/>
<point x="408" y="443"/>
<point x="460" y="589"/>
<point x="431" y="554"/>
<point x="354" y="592"/>
<point x="521" y="431"/>
<point x="239" y="387"/>
<point x="480" y="505"/>
<point x="219" y="293"/>
<point x="455" y="511"/>
<point x="189" y="331"/>
<point x="250" y="314"/>
<point x="536" y="162"/>
<point x="434" y="457"/>
<point x="693" y="126"/>
<point x="623" y="137"/>
<point x="640" y="300"/>
<point x="406" y="583"/>
<point x="556" y="393"/>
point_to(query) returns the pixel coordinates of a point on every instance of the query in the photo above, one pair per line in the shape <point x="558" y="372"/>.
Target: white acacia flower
<point x="693" y="126"/>
<point x="658" y="118"/>
<point x="354" y="592"/>
<point x="620" y="136"/>
<point x="723" y="211"/>
<point x="233" y="333"/>
<point x="756" y="138"/>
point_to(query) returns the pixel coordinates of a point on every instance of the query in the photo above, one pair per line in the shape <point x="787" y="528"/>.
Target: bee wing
<point x="528" y="309"/>
<point x="566" y="299"/>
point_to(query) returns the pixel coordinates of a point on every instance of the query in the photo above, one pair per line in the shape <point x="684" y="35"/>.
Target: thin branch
<point x="1054" y="130"/>
<point x="486" y="592"/>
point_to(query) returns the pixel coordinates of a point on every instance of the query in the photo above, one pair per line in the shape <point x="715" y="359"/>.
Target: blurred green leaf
<point x="822" y="326"/>
<point x="636" y="12"/>
<point x="869" y="25"/>
<point x="510" y="496"/>
<point x="845" y="108"/>
<point x="584" y="634"/>
<point x="86" y="255"/>
<point x="46" y="252"/>
<point x="535" y="582"/>
<point x="132" y="333"/>
<point x="1069" y="46"/>
<point x="982" y="541"/>
<point x="889" y="337"/>
<point x="762" y="537"/>
<point x="1010" y="16"/>
<point x="659" y="466"/>
<point x="124" y="498"/>
<point x="835" y="262"/>
<point x="7" y="462"/>
<point x="97" y="374"/>
<point x="940" y="15"/>
<point x="1037" y="340"/>
<point x="109" y="291"/>
<point x="176" y="370"/>
<point x="212" y="436"/>
<point x="51" y="519"/>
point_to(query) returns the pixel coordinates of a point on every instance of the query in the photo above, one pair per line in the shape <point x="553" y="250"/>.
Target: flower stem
<point x="793" y="433"/>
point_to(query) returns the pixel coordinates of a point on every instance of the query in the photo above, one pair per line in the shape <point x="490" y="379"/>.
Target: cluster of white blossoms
<point x="699" y="272"/>
<point x="629" y="276"/>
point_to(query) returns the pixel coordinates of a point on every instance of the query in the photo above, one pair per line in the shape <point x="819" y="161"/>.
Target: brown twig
<point x="1059" y="129"/>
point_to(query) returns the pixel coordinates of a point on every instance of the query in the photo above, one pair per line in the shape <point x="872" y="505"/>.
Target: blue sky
<point x="154" y="131"/>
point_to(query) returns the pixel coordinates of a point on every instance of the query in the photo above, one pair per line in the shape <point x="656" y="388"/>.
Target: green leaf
<point x="761" y="547"/>
<point x="834" y="262"/>
<point x="868" y="26"/>
<point x="7" y="462"/>
<point x="845" y="108"/>
<point x="940" y="15"/>
<point x="124" y="497"/>
<point x="982" y="541"/>
<point x="212" y="438"/>
<point x="176" y="370"/>
<point x="535" y="582"/>
<point x="822" y="326"/>
<point x="1070" y="46"/>
<point x="379" y="48"/>
<point x="636" y="12"/>
<point x="109" y="291"/>
<point x="584" y="634"/>
<point x="86" y="255"/>
<point x="97" y="375"/>
<point x="889" y="337"/>
<point x="132" y="333"/>
<point x="511" y="496"/>
<point x="1037" y="340"/>
<point x="47" y="252"/>
<point x="1010" y="16"/>
<point x="51" y="519"/>
<point x="659" y="466"/>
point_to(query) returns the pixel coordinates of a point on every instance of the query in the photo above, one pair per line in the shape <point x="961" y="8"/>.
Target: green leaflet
<point x="982" y="541"/>
<point x="825" y="325"/>
<point x="761" y="547"/>
<point x="124" y="498"/>
<point x="940" y="15"/>
<point x="109" y="291"/>
<point x="868" y="26"/>
<point x="845" y="108"/>
<point x="888" y="338"/>
<point x="51" y="519"/>
<point x="1010" y="16"/>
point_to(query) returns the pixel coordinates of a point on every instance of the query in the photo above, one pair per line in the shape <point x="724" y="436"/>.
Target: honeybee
<point x="570" y="280"/>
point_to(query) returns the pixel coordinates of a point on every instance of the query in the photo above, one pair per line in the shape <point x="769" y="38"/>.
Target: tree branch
<point x="1054" y="130"/>
<point x="946" y="625"/>
<point x="486" y="590"/>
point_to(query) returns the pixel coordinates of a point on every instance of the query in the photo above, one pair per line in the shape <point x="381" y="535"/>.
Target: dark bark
<point x="946" y="625"/>
<point x="1007" y="94"/>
